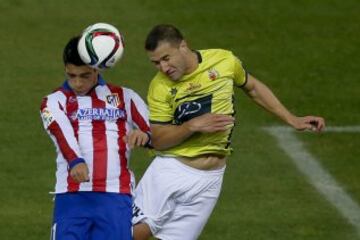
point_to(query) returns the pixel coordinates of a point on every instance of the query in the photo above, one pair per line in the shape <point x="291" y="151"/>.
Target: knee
<point x="142" y="231"/>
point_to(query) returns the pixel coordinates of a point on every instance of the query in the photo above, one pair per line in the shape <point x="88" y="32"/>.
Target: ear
<point x="183" y="45"/>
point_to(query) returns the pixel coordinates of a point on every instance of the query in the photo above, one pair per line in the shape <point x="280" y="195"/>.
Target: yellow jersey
<point x="208" y="89"/>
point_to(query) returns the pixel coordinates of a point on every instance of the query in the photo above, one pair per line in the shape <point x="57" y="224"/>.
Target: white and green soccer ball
<point x="101" y="45"/>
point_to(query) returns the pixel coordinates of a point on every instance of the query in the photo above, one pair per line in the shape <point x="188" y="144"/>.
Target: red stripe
<point x="65" y="148"/>
<point x="67" y="152"/>
<point x="124" y="177"/>
<point x="138" y="118"/>
<point x="43" y="104"/>
<point x="99" y="148"/>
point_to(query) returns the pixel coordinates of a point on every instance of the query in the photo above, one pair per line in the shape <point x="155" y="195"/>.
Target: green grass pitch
<point x="306" y="51"/>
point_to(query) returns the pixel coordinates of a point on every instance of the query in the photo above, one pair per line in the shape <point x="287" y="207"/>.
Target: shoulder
<point x="160" y="84"/>
<point x="216" y="54"/>
<point x="130" y="92"/>
<point x="59" y="94"/>
<point x="219" y="59"/>
<point x="161" y="79"/>
<point x="112" y="87"/>
<point x="126" y="92"/>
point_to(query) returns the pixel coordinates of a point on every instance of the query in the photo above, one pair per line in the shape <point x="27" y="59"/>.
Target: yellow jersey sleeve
<point x="160" y="109"/>
<point x="239" y="73"/>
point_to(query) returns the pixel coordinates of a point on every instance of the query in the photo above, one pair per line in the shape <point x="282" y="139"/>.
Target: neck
<point x="192" y="62"/>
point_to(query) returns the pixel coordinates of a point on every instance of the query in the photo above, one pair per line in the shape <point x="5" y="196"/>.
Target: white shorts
<point x="176" y="200"/>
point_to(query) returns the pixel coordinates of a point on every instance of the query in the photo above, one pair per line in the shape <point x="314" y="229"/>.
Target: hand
<point x="210" y="122"/>
<point x="80" y="173"/>
<point x="312" y="123"/>
<point x="136" y="138"/>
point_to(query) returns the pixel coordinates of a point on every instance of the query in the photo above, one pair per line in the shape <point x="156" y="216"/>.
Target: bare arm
<point x="167" y="135"/>
<point x="264" y="97"/>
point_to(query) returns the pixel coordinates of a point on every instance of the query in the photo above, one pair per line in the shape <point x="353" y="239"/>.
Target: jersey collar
<point x="100" y="82"/>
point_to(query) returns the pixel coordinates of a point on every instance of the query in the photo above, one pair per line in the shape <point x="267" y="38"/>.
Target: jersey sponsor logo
<point x="193" y="86"/>
<point x="213" y="74"/>
<point x="47" y="117"/>
<point x="99" y="114"/>
<point x="188" y="110"/>
<point x="113" y="99"/>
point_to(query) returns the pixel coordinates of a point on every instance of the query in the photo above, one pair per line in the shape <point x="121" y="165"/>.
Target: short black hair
<point x="162" y="32"/>
<point x="71" y="54"/>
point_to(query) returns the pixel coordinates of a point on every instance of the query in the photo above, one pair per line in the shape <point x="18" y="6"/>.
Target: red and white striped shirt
<point x="92" y="128"/>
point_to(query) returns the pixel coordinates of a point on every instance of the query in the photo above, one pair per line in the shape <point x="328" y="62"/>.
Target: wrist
<point x="291" y="120"/>
<point x="188" y="127"/>
<point x="75" y="162"/>
<point x="148" y="144"/>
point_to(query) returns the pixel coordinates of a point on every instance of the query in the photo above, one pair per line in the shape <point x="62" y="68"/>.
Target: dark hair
<point x="70" y="54"/>
<point x="162" y="32"/>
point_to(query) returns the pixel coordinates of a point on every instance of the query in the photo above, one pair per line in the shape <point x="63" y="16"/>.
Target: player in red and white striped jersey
<point x="94" y="125"/>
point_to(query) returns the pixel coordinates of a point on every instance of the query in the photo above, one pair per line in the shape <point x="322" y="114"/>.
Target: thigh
<point x="155" y="195"/>
<point x="175" y="200"/>
<point x="92" y="216"/>
<point x="112" y="218"/>
<point x="189" y="218"/>
<point x="71" y="220"/>
<point x="71" y="229"/>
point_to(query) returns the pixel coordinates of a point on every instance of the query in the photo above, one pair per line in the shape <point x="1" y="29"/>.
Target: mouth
<point x="170" y="73"/>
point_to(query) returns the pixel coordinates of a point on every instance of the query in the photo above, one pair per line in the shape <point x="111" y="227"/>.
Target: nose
<point x="77" y="82"/>
<point x="164" y="66"/>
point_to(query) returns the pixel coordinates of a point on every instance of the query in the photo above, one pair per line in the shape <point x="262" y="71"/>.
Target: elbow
<point x="157" y="146"/>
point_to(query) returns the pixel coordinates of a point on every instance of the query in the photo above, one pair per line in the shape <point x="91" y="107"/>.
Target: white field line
<point x="344" y="129"/>
<point x="316" y="174"/>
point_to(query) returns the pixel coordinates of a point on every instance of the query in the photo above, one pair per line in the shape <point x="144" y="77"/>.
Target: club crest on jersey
<point x="113" y="99"/>
<point x="213" y="74"/>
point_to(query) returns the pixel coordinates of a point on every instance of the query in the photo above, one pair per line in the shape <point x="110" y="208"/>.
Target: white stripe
<point x="128" y="127"/>
<point x="86" y="141"/>
<point x="53" y="232"/>
<point x="318" y="176"/>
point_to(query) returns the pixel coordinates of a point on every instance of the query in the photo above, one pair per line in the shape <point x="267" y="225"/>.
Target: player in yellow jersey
<point x="192" y="116"/>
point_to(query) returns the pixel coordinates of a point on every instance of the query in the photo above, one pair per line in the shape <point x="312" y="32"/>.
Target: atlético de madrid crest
<point x="113" y="99"/>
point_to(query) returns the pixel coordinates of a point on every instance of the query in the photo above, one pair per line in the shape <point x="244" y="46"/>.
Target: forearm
<point x="264" y="97"/>
<point x="166" y="136"/>
<point x="60" y="130"/>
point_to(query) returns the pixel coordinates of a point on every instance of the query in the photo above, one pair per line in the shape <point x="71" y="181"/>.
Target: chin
<point x="174" y="77"/>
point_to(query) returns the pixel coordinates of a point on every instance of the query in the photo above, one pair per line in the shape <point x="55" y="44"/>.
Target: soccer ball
<point x="101" y="45"/>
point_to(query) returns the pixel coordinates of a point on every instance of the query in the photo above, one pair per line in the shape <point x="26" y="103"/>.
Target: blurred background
<point x="306" y="51"/>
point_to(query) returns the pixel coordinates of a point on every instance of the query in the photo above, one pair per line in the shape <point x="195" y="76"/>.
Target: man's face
<point x="81" y="78"/>
<point x="170" y="59"/>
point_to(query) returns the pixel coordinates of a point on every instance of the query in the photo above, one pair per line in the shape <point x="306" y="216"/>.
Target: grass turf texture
<point x="306" y="51"/>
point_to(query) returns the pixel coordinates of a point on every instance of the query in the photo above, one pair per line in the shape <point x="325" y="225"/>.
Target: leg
<point x="71" y="221"/>
<point x="112" y="217"/>
<point x="174" y="200"/>
<point x="142" y="231"/>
